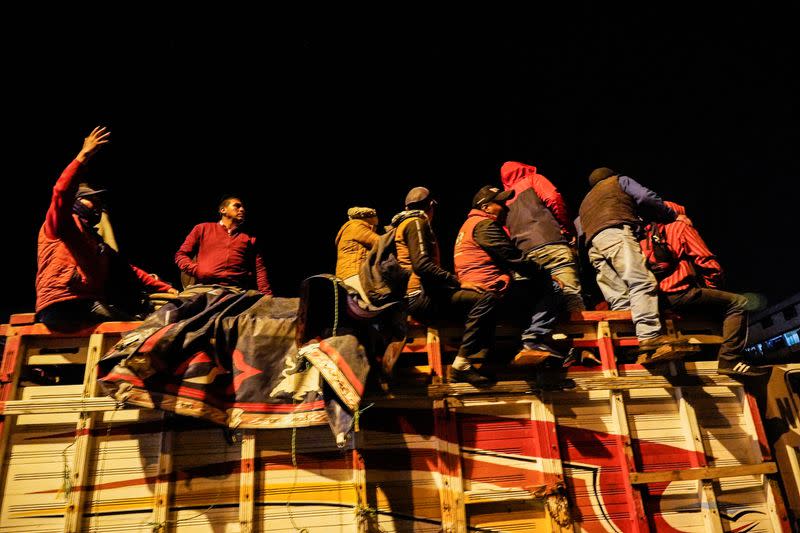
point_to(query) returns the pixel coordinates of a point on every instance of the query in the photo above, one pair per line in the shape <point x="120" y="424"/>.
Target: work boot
<point x="535" y="352"/>
<point x="663" y="348"/>
<point x="468" y="375"/>
<point x="742" y="371"/>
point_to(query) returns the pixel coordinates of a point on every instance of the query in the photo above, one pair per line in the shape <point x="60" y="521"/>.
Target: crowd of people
<point x="516" y="255"/>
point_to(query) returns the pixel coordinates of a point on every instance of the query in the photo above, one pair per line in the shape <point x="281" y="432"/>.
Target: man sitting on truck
<point x="485" y="255"/>
<point x="80" y="279"/>
<point x="689" y="276"/>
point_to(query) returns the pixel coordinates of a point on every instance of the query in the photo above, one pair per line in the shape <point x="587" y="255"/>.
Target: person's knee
<point x="738" y="303"/>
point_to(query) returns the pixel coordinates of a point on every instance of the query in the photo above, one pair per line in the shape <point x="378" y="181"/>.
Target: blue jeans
<point x="624" y="279"/>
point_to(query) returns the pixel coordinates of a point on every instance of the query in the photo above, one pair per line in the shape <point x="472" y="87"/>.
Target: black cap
<point x="489" y="193"/>
<point x="419" y="195"/>
<point x="84" y="191"/>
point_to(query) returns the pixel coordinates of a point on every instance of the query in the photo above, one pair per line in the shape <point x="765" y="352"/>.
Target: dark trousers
<point x="533" y="304"/>
<point x="475" y="308"/>
<point x="730" y="305"/>
<point x="76" y="314"/>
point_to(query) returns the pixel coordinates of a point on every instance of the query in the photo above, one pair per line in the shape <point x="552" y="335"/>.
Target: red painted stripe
<point x="343" y="366"/>
<point x="154" y="338"/>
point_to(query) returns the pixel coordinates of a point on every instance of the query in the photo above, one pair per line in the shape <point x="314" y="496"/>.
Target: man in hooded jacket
<point x="80" y="279"/>
<point x="540" y="226"/>
<point x="690" y="276"/>
<point x="612" y="215"/>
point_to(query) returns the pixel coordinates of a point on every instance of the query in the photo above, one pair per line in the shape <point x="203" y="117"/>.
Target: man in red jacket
<point x="690" y="276"/>
<point x="80" y="279"/>
<point x="220" y="253"/>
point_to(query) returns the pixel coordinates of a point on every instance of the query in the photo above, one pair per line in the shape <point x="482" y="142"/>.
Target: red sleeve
<point x="59" y="215"/>
<point x="149" y="281"/>
<point x="553" y="200"/>
<point x="184" y="255"/>
<point x="261" y="274"/>
<point x="709" y="269"/>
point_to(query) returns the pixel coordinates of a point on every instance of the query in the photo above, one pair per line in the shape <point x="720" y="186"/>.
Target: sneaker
<point x="468" y="375"/>
<point x="742" y="370"/>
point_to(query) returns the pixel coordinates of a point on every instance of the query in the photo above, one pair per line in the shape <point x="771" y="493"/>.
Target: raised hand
<point x="98" y="137"/>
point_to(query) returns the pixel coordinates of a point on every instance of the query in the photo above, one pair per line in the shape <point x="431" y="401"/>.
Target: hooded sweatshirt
<point x="537" y="213"/>
<point x="694" y="264"/>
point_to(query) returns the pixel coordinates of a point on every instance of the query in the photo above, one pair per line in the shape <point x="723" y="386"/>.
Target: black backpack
<point x="383" y="279"/>
<point x="661" y="261"/>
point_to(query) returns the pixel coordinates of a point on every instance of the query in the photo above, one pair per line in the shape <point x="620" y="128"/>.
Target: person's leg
<point x="611" y="285"/>
<point x="627" y="260"/>
<point x="355" y="282"/>
<point x="560" y="261"/>
<point x="422" y="308"/>
<point x="480" y="321"/>
<point x="734" y="325"/>
<point x="76" y="314"/>
<point x="546" y="297"/>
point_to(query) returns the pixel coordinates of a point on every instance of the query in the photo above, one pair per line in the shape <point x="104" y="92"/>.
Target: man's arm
<point x="491" y="237"/>
<point x="183" y="257"/>
<point x="365" y="236"/>
<point x="647" y="200"/>
<point x="693" y="247"/>
<point x="262" y="282"/>
<point x="421" y="261"/>
<point x="150" y="283"/>
<point x="553" y="200"/>
<point x="58" y="220"/>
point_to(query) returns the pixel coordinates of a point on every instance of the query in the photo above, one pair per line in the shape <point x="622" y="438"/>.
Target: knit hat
<point x="599" y="174"/>
<point x="361" y="212"/>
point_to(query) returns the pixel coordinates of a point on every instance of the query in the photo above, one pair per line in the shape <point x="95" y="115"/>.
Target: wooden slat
<point x="67" y="405"/>
<point x="73" y="510"/>
<point x="9" y="380"/>
<point x="626" y="460"/>
<point x="22" y="319"/>
<point x="715" y="472"/>
<point x="586" y="382"/>
<point x="451" y="492"/>
<point x="247" y="481"/>
<point x="583" y="317"/>
<point x="472" y="497"/>
<point x="548" y="449"/>
<point x="760" y="448"/>
<point x="162" y="493"/>
<point x="694" y="440"/>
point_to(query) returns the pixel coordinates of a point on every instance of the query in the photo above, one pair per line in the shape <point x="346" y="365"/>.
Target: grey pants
<point x="624" y="279"/>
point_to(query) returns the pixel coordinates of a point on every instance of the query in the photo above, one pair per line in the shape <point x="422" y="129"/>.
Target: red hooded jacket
<point x="537" y="215"/>
<point x="695" y="265"/>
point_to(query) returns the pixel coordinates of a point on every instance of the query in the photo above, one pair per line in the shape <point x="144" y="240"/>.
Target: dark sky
<point x="307" y="114"/>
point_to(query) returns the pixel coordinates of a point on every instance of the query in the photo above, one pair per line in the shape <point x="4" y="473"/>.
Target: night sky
<point x="307" y="114"/>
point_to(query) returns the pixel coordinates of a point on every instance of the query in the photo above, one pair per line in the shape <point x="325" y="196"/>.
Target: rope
<point x="335" y="307"/>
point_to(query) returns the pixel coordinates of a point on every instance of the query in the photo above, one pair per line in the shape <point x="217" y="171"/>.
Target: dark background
<point x="307" y="114"/>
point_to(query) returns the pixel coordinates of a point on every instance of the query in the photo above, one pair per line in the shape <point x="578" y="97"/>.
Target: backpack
<point x="383" y="279"/>
<point x="661" y="260"/>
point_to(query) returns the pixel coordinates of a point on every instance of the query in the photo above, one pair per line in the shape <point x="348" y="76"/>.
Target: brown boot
<point x="659" y="349"/>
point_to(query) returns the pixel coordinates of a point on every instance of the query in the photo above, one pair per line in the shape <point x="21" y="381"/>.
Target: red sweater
<point x="70" y="265"/>
<point x="213" y="256"/>
<point x="696" y="266"/>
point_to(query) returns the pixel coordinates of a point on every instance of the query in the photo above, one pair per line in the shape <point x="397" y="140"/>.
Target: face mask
<point x="89" y="216"/>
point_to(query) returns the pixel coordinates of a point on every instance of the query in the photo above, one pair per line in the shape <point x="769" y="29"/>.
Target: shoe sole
<point x="530" y="358"/>
<point x="664" y="353"/>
